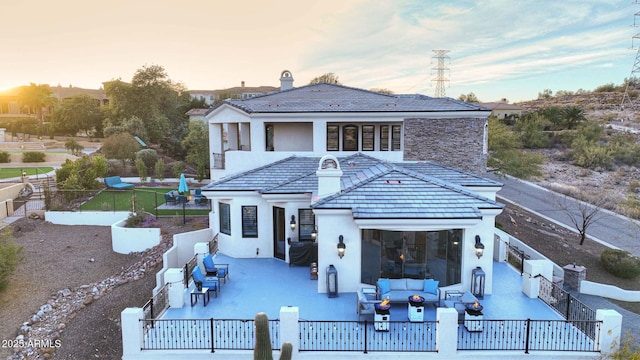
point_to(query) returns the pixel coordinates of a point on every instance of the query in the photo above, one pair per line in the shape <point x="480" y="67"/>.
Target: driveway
<point x="610" y="229"/>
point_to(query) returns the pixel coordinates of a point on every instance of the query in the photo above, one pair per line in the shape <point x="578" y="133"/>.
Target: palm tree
<point x="573" y="115"/>
<point x="35" y="98"/>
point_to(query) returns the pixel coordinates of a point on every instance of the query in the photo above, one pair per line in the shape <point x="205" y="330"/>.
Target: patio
<point x="265" y="285"/>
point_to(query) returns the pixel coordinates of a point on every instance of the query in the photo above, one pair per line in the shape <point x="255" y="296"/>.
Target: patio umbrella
<point x="183" y="188"/>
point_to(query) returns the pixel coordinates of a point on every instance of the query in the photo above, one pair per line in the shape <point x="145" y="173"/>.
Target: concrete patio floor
<point x="265" y="285"/>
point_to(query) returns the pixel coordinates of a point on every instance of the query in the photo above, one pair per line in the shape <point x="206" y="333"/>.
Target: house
<point x="394" y="179"/>
<point x="503" y="110"/>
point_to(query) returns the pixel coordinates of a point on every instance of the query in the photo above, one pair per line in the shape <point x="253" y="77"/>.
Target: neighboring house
<point x="306" y="167"/>
<point x="503" y="110"/>
<point x="239" y="92"/>
<point x="11" y="107"/>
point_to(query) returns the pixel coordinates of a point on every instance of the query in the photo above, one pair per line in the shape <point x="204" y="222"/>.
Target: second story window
<point x="384" y="137"/>
<point x="368" y="136"/>
<point x="333" y="138"/>
<point x="396" y="132"/>
<point x="350" y="138"/>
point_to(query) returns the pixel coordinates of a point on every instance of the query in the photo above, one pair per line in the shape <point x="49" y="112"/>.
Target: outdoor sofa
<point x="399" y="290"/>
<point x="114" y="182"/>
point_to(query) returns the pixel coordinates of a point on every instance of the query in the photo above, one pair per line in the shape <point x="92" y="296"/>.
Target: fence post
<point x="176" y="293"/>
<point x="527" y="337"/>
<point x="132" y="331"/>
<point x="610" y="331"/>
<point x="446" y="332"/>
<point x="213" y="336"/>
<point x="566" y="315"/>
<point x="365" y="337"/>
<point x="289" y="329"/>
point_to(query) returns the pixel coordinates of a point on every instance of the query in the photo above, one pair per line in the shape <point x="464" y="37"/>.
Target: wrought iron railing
<point x="218" y="161"/>
<point x="361" y="336"/>
<point x="213" y="245"/>
<point x="568" y="306"/>
<point x="516" y="257"/>
<point x="530" y="335"/>
<point x="210" y="334"/>
<point x="157" y="304"/>
<point x="188" y="268"/>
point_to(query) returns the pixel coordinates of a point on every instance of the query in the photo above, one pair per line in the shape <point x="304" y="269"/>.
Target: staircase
<point x="41" y="183"/>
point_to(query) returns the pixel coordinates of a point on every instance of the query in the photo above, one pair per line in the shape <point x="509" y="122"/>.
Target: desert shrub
<point x="5" y="157"/>
<point x="159" y="169"/>
<point x="100" y="165"/>
<point x="531" y="131"/>
<point x="590" y="154"/>
<point x="10" y="256"/>
<point x="178" y="168"/>
<point x="620" y="263"/>
<point x="33" y="156"/>
<point x="149" y="156"/>
<point x="142" y="169"/>
<point x="114" y="167"/>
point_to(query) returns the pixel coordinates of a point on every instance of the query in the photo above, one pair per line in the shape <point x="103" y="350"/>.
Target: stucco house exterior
<point x="396" y="177"/>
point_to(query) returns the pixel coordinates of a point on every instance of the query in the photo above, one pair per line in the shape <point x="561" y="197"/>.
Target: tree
<point x="73" y="146"/>
<point x="531" y="129"/>
<point x="582" y="214"/>
<point x="470" y="97"/>
<point x="80" y="113"/>
<point x="120" y="146"/>
<point x="573" y="115"/>
<point x="545" y="94"/>
<point x="157" y="101"/>
<point x="35" y="98"/>
<point x="382" y="91"/>
<point x="197" y="145"/>
<point x="505" y="155"/>
<point x="329" y="78"/>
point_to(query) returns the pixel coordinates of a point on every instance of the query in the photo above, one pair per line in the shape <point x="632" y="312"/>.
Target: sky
<point x="496" y="48"/>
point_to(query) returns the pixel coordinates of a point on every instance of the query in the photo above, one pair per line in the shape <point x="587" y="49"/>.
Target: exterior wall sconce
<point x="479" y="247"/>
<point x="293" y="222"/>
<point x="314" y="233"/>
<point x="341" y="246"/>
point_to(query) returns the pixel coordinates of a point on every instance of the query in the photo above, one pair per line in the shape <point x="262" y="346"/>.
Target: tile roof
<point x="334" y="98"/>
<point x="403" y="194"/>
<point x="372" y="188"/>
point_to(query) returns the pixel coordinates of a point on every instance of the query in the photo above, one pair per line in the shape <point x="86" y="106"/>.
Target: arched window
<point x="350" y="138"/>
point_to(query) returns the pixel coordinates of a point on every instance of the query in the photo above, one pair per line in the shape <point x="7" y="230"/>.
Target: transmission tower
<point x="441" y="55"/>
<point x="635" y="71"/>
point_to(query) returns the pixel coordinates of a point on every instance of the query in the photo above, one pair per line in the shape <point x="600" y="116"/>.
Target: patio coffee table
<point x="195" y="293"/>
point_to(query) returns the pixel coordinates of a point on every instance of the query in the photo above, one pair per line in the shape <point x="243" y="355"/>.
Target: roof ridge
<point x="352" y="187"/>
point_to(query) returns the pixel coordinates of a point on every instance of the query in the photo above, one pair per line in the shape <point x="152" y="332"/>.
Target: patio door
<point x="279" y="233"/>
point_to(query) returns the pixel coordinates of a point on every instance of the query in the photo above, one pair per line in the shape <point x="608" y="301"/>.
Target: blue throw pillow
<point x="384" y="286"/>
<point x="431" y="286"/>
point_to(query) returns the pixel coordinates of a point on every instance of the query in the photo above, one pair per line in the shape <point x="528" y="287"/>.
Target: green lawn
<point x="7" y="172"/>
<point x="146" y="198"/>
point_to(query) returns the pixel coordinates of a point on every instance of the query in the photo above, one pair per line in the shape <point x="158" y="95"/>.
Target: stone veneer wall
<point x="454" y="142"/>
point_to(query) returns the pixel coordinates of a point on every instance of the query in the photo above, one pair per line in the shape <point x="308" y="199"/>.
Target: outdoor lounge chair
<point x="366" y="300"/>
<point x="212" y="283"/>
<point x="170" y="198"/>
<point x="219" y="270"/>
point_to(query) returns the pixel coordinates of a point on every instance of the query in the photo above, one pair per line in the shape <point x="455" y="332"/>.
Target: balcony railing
<point x="208" y="334"/>
<point x="218" y="161"/>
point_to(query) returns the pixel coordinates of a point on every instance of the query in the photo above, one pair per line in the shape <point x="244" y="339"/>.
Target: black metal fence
<point x="568" y="306"/>
<point x="530" y="335"/>
<point x="362" y="336"/>
<point x="188" y="268"/>
<point x="210" y="334"/>
<point x="516" y="257"/>
<point x="157" y="304"/>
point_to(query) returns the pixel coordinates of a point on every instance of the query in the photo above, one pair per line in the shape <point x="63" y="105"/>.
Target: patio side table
<point x="195" y="293"/>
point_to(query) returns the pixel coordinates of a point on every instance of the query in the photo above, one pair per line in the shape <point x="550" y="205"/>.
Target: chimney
<point x="286" y="80"/>
<point x="329" y="175"/>
<point x="241" y="83"/>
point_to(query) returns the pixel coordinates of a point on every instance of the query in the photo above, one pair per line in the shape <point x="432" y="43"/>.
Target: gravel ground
<point x="59" y="257"/>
